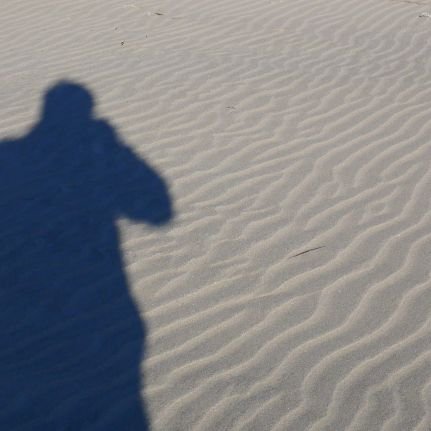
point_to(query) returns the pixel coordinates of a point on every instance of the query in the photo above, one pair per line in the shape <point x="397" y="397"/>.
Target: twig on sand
<point x="306" y="251"/>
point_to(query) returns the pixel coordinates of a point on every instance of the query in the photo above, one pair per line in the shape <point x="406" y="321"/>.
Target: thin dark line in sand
<point x="307" y="251"/>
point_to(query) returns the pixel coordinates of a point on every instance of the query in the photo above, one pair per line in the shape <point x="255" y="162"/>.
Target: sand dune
<point x="259" y="175"/>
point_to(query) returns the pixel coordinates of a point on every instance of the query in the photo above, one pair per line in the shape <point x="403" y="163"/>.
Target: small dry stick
<point x="306" y="251"/>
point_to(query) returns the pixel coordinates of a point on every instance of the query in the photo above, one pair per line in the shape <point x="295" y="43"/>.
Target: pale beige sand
<point x="278" y="127"/>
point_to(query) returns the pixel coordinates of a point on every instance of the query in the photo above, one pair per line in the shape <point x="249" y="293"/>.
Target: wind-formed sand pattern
<point x="283" y="283"/>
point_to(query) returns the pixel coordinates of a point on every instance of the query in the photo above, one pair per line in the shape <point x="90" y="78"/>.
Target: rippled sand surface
<point x="290" y="290"/>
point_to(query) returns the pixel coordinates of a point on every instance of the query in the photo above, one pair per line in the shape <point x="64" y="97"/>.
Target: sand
<point x="215" y="215"/>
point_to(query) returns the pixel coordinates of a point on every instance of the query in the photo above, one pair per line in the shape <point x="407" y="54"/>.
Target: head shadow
<point x="72" y="340"/>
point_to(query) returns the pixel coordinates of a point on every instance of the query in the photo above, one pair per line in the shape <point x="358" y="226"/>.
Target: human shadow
<point x="71" y="337"/>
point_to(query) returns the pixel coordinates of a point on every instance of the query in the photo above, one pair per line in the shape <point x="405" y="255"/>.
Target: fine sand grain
<point x="215" y="215"/>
